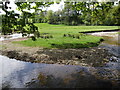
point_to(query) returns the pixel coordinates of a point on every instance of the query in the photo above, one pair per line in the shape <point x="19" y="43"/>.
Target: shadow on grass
<point x="74" y="45"/>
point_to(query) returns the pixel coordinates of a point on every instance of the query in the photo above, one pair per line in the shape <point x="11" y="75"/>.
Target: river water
<point x="13" y="36"/>
<point x="19" y="74"/>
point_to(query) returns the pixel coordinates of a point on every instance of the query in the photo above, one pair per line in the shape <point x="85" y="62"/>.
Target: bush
<point x="33" y="38"/>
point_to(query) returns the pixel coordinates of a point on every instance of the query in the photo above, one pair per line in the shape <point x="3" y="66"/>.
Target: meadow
<point x="61" y="36"/>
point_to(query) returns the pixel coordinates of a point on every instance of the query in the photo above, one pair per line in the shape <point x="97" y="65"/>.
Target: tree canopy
<point x="73" y="13"/>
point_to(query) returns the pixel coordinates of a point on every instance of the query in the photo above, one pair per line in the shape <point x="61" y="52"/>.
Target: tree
<point x="113" y="16"/>
<point x="26" y="16"/>
<point x="9" y="20"/>
<point x="50" y="17"/>
<point x="12" y="21"/>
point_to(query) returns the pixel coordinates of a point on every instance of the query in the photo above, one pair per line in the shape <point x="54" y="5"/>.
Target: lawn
<point x="71" y="39"/>
<point x="60" y="29"/>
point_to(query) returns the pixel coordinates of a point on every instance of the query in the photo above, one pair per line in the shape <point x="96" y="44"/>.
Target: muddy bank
<point x="94" y="56"/>
<point x="84" y="56"/>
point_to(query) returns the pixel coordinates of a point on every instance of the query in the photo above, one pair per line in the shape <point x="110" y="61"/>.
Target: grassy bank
<point x="65" y="36"/>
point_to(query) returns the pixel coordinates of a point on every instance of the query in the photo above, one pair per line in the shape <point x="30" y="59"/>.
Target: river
<point x="19" y="74"/>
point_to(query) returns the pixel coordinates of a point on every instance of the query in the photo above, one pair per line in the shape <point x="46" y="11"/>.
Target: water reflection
<point x="18" y="74"/>
<point x="82" y="79"/>
<point x="112" y="44"/>
<point x="112" y="49"/>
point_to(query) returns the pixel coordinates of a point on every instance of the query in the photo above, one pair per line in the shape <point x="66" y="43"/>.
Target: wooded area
<point x="73" y="13"/>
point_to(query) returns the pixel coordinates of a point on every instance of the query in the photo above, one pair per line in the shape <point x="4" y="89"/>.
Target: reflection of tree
<point x="6" y="85"/>
<point x="45" y="81"/>
<point x="81" y="79"/>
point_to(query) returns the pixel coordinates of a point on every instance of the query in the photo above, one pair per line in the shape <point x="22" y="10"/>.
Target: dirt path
<point x="9" y="46"/>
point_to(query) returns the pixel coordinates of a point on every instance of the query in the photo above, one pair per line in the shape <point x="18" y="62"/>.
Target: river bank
<point x="83" y="56"/>
<point x="96" y="67"/>
<point x="94" y="56"/>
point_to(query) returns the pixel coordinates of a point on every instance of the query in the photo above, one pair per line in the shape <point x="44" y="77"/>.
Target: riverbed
<point x="20" y="74"/>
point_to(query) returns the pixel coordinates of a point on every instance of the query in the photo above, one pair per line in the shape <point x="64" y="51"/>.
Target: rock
<point x="68" y="62"/>
<point x="106" y="60"/>
<point x="83" y="64"/>
<point x="113" y="59"/>
<point x="12" y="54"/>
<point x="50" y="62"/>
<point x="78" y="56"/>
<point x="35" y="55"/>
<point x="93" y="50"/>
<point x="43" y="57"/>
<point x="74" y="58"/>
<point x="76" y="62"/>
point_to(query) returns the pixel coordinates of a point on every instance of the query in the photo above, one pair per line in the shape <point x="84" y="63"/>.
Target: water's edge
<point x="20" y="74"/>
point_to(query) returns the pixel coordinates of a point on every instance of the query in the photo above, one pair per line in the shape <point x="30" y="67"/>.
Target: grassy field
<point x="60" y="29"/>
<point x="59" y="41"/>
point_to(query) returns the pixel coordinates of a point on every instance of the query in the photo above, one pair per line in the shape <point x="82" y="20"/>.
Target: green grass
<point x="58" y="41"/>
<point x="57" y="29"/>
<point x="62" y="42"/>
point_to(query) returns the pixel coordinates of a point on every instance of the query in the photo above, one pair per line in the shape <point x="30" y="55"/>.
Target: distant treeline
<point x="78" y="13"/>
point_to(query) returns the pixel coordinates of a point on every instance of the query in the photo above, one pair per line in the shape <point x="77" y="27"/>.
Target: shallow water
<point x="13" y="36"/>
<point x="19" y="74"/>
<point x="112" y="43"/>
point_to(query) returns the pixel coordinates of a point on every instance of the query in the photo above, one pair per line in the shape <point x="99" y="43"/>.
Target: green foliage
<point x="8" y="20"/>
<point x="12" y="22"/>
<point x="76" y="36"/>
<point x="115" y="15"/>
<point x="88" y="13"/>
<point x="50" y="17"/>
<point x="33" y="38"/>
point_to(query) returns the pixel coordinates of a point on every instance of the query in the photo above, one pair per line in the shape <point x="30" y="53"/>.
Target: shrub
<point x="33" y="38"/>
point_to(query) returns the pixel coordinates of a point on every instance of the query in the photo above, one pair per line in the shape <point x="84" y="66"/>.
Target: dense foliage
<point x="73" y="13"/>
<point x="91" y="13"/>
<point x="24" y="23"/>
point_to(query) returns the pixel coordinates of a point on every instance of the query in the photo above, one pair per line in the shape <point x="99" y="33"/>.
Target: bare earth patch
<point x="94" y="56"/>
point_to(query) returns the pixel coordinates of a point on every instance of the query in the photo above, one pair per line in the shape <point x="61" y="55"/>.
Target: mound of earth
<point x="94" y="56"/>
